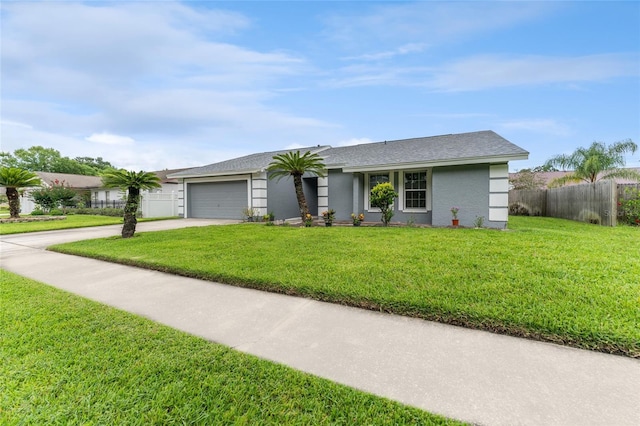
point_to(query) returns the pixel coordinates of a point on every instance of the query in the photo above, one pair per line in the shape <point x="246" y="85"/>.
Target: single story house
<point x="89" y="185"/>
<point x="431" y="175"/>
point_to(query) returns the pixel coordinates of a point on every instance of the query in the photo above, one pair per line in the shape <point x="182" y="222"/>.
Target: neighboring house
<point x="431" y="175"/>
<point x="161" y="202"/>
<point x="91" y="185"/>
<point x="547" y="177"/>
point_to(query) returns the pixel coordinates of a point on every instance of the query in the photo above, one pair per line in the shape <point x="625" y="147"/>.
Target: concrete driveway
<point x="475" y="376"/>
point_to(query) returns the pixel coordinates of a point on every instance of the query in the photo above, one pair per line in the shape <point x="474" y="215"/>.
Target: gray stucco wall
<point x="466" y="187"/>
<point x="281" y="197"/>
<point x="341" y="194"/>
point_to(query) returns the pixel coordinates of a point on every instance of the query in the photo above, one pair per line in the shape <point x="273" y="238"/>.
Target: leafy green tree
<point x="40" y="159"/>
<point x="12" y="179"/>
<point x="132" y="182"/>
<point x="97" y="164"/>
<point x="296" y="165"/>
<point x="382" y="197"/>
<point x="598" y="162"/>
<point x="35" y="159"/>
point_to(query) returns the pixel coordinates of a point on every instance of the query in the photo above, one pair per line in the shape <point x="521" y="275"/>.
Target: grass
<point x="548" y="279"/>
<point x="72" y="221"/>
<point x="68" y="360"/>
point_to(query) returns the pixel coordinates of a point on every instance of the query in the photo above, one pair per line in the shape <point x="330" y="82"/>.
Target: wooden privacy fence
<point x="589" y="202"/>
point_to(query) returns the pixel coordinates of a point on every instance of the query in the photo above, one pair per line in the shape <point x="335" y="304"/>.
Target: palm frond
<point x="13" y="177"/>
<point x="294" y="164"/>
<point x="126" y="179"/>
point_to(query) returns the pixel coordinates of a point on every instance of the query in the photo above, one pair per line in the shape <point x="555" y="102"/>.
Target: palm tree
<point x="296" y="165"/>
<point x="598" y="162"/>
<point x="131" y="182"/>
<point x="13" y="178"/>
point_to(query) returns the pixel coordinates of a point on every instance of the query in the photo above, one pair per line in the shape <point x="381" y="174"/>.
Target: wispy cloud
<point x="494" y="71"/>
<point x="109" y="139"/>
<point x="488" y="71"/>
<point x="399" y="51"/>
<point x="154" y="68"/>
<point x="537" y="125"/>
<point x="432" y="23"/>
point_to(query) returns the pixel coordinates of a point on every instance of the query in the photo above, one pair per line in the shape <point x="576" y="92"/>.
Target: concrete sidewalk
<point x="469" y="375"/>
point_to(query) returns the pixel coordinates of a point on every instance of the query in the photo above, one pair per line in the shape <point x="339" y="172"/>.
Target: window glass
<point x="415" y="190"/>
<point x="374" y="179"/>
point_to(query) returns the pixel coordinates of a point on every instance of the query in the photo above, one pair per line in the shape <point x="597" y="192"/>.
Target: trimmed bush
<point x="101" y="212"/>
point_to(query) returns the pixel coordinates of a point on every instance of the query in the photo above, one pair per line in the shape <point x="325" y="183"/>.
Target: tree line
<point x="41" y="159"/>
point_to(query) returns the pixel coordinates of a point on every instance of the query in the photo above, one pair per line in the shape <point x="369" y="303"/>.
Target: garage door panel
<point x="217" y="200"/>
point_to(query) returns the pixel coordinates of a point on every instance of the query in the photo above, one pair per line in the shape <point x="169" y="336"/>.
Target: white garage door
<point x="217" y="200"/>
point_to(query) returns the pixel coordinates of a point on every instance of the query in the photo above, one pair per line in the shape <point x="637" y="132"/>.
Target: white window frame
<point x="367" y="190"/>
<point x="401" y="193"/>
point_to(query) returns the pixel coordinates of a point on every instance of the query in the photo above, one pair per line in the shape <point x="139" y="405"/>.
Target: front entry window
<point x="376" y="178"/>
<point x="415" y="190"/>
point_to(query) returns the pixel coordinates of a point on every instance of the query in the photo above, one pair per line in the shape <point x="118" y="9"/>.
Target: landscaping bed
<point x="31" y="219"/>
<point x="548" y="279"/>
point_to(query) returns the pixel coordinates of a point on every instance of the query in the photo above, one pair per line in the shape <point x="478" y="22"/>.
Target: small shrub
<point x="101" y="212"/>
<point x="479" y="222"/>
<point x="37" y="212"/>
<point x="631" y="207"/>
<point x="56" y="212"/>
<point x="382" y="197"/>
<point x="517" y="209"/>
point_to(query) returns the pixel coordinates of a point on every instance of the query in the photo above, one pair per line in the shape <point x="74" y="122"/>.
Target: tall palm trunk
<point x="302" y="201"/>
<point x="14" y="202"/>
<point x="130" y="210"/>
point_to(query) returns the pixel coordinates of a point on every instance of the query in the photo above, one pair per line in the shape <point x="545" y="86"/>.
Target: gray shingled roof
<point x="454" y="148"/>
<point x="247" y="164"/>
<point x="73" y="181"/>
<point x="434" y="149"/>
<point x="162" y="174"/>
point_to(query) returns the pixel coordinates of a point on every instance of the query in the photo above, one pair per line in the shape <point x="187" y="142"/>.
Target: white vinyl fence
<point x="151" y="204"/>
<point x="159" y="205"/>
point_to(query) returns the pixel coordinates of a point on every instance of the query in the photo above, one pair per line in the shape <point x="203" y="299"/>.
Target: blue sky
<point x="157" y="84"/>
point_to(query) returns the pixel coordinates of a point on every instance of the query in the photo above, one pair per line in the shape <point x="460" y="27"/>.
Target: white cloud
<point x="487" y="71"/>
<point x="157" y="72"/>
<point x="537" y="125"/>
<point x="402" y="50"/>
<point x="428" y="22"/>
<point x="109" y="139"/>
<point x="494" y="71"/>
<point x="14" y="123"/>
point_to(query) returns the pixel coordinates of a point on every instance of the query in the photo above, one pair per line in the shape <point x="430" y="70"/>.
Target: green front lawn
<point x="548" y="279"/>
<point x="72" y="221"/>
<point x="67" y="360"/>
